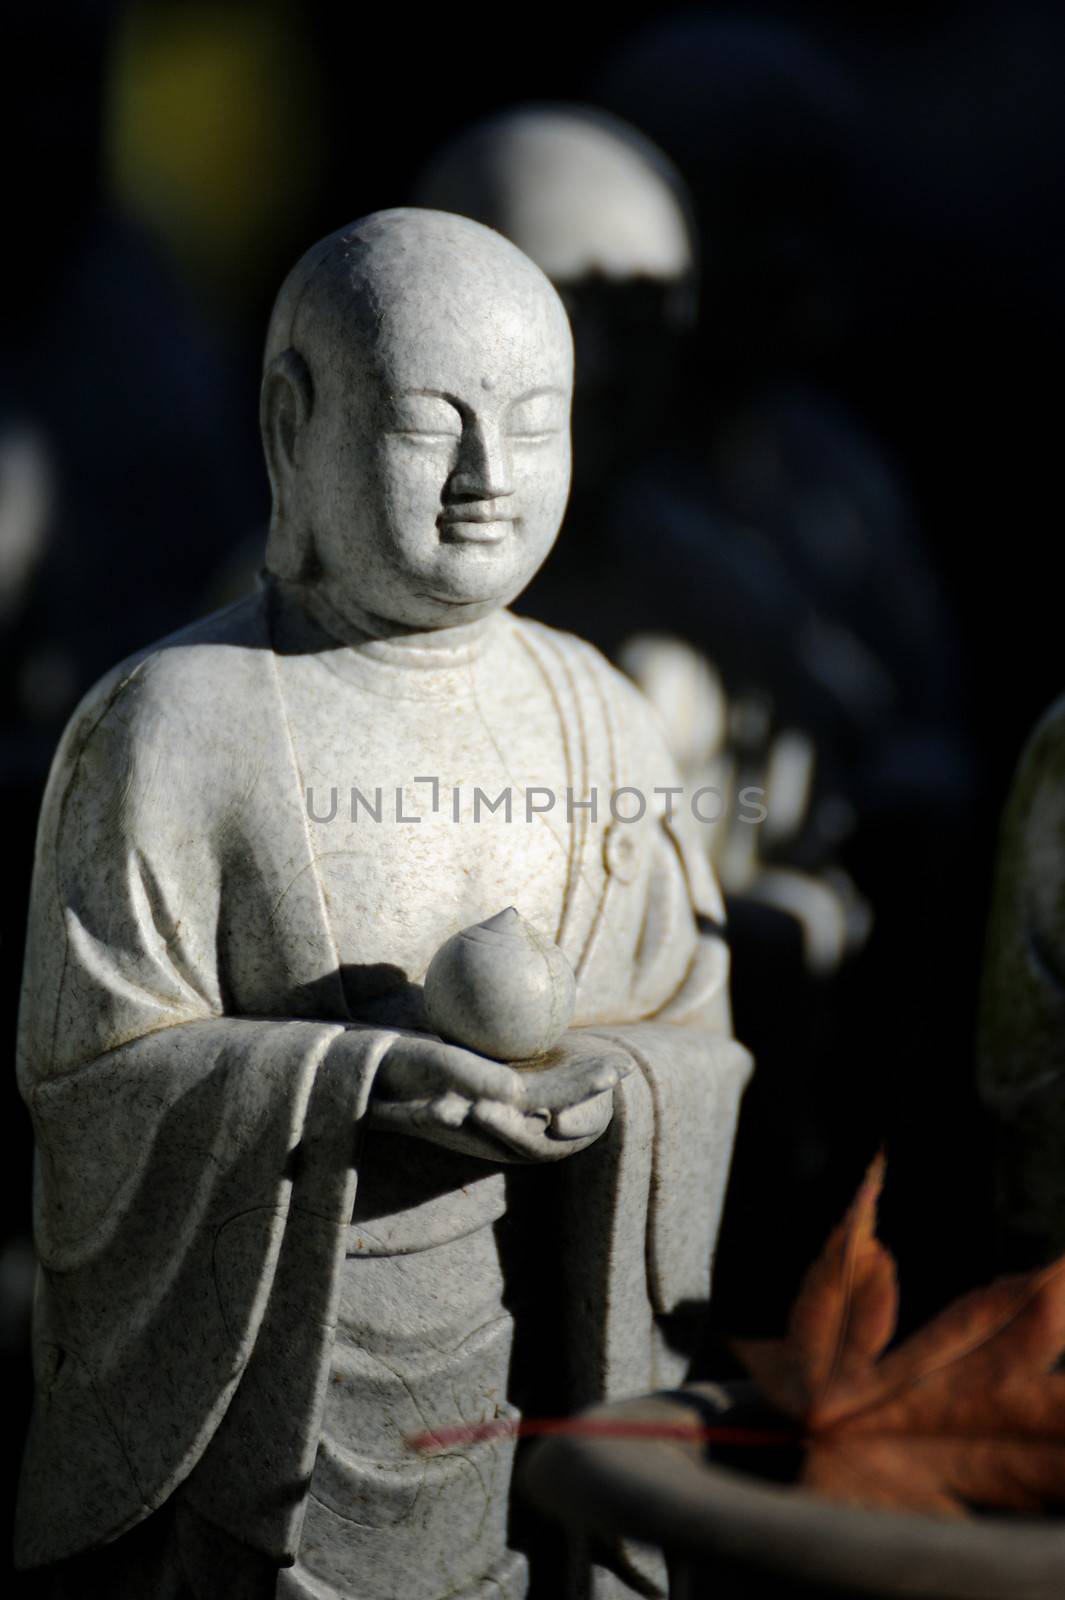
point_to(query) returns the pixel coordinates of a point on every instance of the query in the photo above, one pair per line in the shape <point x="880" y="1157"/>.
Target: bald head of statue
<point x="415" y="413"/>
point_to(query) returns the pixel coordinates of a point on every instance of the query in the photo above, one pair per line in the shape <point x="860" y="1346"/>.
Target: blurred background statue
<point x="1022" y="1015"/>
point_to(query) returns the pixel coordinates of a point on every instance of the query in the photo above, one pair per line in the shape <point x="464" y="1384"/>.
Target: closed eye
<point x="426" y="435"/>
<point x="428" y="417"/>
<point x="537" y="417"/>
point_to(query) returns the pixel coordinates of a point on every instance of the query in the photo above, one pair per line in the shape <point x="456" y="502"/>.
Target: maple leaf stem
<point x="599" y="1428"/>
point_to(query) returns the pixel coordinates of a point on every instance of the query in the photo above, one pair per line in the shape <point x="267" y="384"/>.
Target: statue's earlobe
<point x="285" y="404"/>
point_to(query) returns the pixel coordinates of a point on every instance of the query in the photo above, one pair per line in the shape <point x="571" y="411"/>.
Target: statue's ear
<point x="285" y="404"/>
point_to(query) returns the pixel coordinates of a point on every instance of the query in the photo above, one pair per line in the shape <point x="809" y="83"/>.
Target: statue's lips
<point x="474" y="527"/>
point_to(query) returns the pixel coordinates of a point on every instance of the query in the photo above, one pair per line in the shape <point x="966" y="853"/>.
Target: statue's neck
<point x="305" y="623"/>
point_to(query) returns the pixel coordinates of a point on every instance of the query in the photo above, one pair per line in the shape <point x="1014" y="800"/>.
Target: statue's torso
<point x="424" y="1338"/>
<point x="395" y="889"/>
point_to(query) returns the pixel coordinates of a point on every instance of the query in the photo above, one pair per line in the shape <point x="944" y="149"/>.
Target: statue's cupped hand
<point x="454" y="1097"/>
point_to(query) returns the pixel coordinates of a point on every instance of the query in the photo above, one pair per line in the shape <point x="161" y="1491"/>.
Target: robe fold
<point x="198" y="1142"/>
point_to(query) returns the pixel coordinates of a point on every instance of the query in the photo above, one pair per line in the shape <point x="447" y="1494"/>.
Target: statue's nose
<point x="482" y="471"/>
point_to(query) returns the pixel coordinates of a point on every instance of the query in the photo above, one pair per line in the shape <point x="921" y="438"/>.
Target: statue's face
<point x="437" y="460"/>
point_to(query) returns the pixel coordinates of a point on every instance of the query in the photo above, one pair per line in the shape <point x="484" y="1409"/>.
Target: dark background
<point x="889" y="231"/>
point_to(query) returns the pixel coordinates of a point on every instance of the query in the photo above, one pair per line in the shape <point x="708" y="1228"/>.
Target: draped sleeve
<point x="181" y="1149"/>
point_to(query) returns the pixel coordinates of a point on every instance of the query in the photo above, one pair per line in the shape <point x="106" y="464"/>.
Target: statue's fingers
<point x="584" y="1121"/>
<point x="574" y="1081"/>
<point x="591" y="1062"/>
<point x="520" y="1130"/>
<point x="448" y="1110"/>
<point x="448" y="1067"/>
<point x="536" y="1136"/>
<point x="563" y="1086"/>
<point x="604" y="1070"/>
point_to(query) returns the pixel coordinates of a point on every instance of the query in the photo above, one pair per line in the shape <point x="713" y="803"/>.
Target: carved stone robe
<point x="192" y="957"/>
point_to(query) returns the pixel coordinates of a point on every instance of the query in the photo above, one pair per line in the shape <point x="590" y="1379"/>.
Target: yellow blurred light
<point x="213" y="130"/>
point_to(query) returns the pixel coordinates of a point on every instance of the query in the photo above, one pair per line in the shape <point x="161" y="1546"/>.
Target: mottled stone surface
<point x="269" y="1197"/>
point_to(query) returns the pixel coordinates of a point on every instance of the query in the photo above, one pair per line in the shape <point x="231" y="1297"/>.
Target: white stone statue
<point x="270" y="1198"/>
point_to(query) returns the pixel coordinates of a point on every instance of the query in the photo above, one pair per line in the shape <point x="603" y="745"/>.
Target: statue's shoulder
<point x="186" y="701"/>
<point x="214" y="663"/>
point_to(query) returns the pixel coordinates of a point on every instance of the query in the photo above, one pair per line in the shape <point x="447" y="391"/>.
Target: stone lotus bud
<point x="501" y="988"/>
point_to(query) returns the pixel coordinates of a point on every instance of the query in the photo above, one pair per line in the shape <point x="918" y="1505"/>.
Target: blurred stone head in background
<point x="605" y="215"/>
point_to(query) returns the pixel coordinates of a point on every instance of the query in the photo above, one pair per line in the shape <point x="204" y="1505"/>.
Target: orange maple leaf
<point x="967" y="1411"/>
